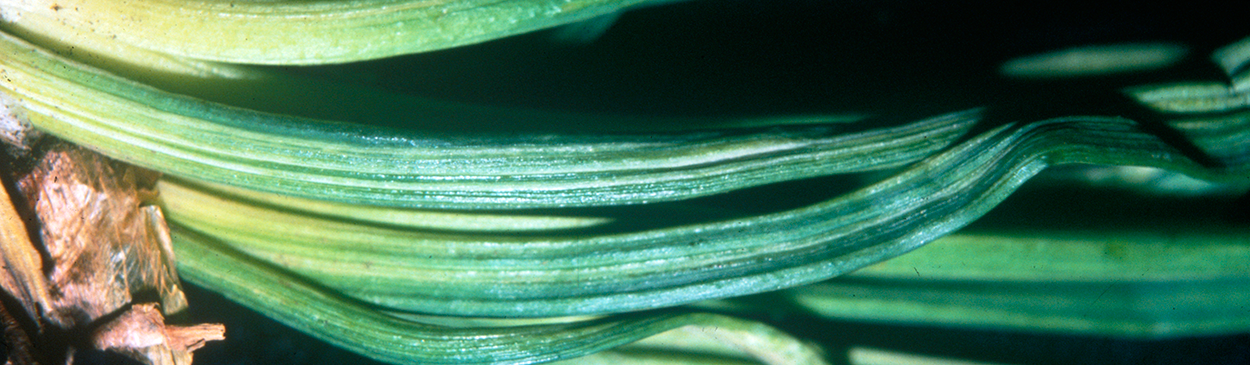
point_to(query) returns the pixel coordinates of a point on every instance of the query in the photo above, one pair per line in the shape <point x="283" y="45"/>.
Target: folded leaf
<point x="553" y="275"/>
<point x="362" y="329"/>
<point x="370" y="165"/>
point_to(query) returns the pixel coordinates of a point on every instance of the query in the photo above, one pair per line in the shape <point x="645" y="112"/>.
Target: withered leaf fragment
<point x="140" y="332"/>
<point x="103" y="244"/>
<point x="84" y="254"/>
<point x="21" y="278"/>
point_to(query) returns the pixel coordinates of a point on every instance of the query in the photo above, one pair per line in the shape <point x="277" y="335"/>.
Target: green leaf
<point x="298" y="32"/>
<point x="370" y="165"/>
<point x="366" y="331"/>
<point x="1095" y="258"/>
<point x="553" y="275"/>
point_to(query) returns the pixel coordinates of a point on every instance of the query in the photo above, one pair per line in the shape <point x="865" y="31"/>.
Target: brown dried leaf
<point x="141" y="333"/>
<point x="103" y="245"/>
<point x="22" y="277"/>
